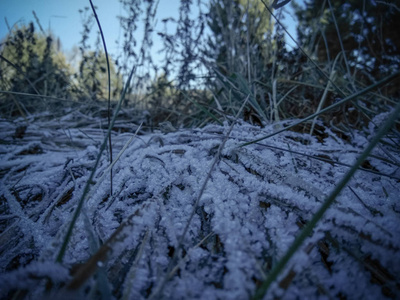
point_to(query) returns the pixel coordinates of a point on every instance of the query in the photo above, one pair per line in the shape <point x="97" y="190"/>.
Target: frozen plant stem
<point x="278" y="268"/>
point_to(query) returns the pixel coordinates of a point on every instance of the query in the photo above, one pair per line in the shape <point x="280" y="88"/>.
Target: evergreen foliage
<point x="32" y="64"/>
<point x="368" y="30"/>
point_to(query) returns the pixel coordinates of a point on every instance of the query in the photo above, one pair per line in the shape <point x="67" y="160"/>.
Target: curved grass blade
<point x="109" y="92"/>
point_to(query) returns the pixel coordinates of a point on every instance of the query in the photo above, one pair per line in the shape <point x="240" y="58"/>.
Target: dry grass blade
<point x="132" y="272"/>
<point x="101" y="256"/>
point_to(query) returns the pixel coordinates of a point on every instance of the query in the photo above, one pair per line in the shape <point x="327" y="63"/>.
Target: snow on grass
<point x="256" y="201"/>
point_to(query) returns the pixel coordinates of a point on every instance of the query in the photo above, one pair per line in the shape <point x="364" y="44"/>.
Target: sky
<point x="64" y="20"/>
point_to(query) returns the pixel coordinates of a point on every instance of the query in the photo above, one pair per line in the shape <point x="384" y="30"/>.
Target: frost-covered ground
<point x="256" y="201"/>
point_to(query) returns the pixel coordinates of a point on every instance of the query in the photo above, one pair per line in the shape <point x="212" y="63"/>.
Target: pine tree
<point x="32" y="64"/>
<point x="368" y="30"/>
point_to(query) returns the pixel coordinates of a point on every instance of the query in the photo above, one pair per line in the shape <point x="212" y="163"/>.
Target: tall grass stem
<point x="109" y="93"/>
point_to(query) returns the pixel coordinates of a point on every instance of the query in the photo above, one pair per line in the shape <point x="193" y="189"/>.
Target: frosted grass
<point x="256" y="202"/>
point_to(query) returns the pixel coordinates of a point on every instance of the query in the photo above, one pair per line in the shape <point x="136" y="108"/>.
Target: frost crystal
<point x="256" y="201"/>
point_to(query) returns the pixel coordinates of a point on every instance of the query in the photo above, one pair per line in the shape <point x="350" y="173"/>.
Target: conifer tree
<point x="32" y="64"/>
<point x="368" y="30"/>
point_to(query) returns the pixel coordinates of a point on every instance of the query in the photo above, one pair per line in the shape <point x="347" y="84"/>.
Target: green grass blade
<point x="109" y="91"/>
<point x="89" y="181"/>
<point x="277" y="269"/>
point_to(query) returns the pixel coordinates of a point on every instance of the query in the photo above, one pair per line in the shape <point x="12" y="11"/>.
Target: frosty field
<point x="255" y="202"/>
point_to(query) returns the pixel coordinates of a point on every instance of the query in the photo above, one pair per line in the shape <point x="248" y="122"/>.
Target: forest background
<point x="353" y="44"/>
